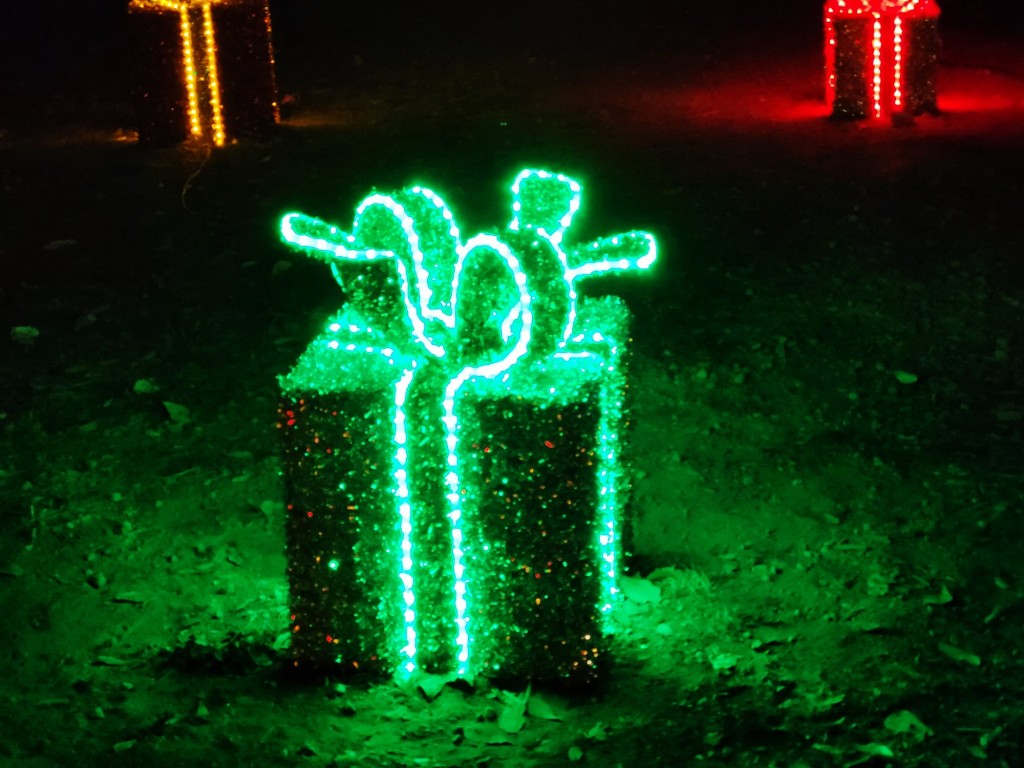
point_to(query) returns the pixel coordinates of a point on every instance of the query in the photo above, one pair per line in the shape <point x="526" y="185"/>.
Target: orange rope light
<point x="200" y="62"/>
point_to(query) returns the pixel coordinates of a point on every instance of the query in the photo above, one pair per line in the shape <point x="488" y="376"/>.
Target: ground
<point x="827" y="402"/>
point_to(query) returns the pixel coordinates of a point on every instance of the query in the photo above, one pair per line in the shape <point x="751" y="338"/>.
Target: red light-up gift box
<point x="881" y="57"/>
<point x="453" y="443"/>
<point x="204" y="68"/>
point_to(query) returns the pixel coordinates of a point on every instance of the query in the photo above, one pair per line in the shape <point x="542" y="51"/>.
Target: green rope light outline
<point x="608" y="445"/>
<point x="401" y="489"/>
<point x="339" y="247"/>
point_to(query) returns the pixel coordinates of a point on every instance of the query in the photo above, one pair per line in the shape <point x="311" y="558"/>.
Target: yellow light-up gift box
<point x="204" y="70"/>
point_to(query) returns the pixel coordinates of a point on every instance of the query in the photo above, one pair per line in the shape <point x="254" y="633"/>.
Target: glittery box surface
<point x="882" y="63"/>
<point x="243" y="62"/>
<point x="542" y="492"/>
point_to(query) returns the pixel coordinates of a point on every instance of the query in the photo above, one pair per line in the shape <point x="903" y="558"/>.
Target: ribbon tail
<point x="324" y="241"/>
<point x="633" y="250"/>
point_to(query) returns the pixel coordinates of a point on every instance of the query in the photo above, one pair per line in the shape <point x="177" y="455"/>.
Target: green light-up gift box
<point x="453" y="466"/>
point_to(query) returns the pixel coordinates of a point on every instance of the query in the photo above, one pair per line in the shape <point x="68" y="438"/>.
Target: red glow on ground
<point x="972" y="102"/>
<point x="979" y="93"/>
<point x="761" y="85"/>
<point x="983" y="87"/>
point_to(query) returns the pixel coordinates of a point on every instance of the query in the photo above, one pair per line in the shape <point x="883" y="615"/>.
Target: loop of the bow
<point x="432" y="273"/>
<point x="545" y="202"/>
<point x="417" y="226"/>
<point x="492" y="306"/>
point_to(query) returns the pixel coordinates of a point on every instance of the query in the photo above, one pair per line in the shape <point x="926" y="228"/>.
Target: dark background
<point x="80" y="51"/>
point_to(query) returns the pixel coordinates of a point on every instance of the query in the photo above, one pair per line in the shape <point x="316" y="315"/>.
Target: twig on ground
<point x="192" y="177"/>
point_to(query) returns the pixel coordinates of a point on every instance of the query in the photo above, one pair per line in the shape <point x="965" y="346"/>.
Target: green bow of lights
<point x="534" y="300"/>
<point x="446" y="312"/>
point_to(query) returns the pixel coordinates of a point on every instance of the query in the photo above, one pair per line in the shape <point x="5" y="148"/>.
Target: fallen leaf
<point x="513" y="716"/>
<point x="1006" y="414"/>
<point x="721" y="661"/>
<point x="942" y="598"/>
<point x="109" y="661"/>
<point x="272" y="508"/>
<point x="640" y="590"/>
<point x="959" y="655"/>
<point x="866" y="625"/>
<point x="665" y="573"/>
<point x="828" y="749"/>
<point x="905" y="721"/>
<point x="876" y="750"/>
<point x="831" y="701"/>
<point x="432" y="686"/>
<point x="179" y="413"/>
<point x="486" y="734"/>
<point x="542" y="709"/>
<point x="987" y="738"/>
<point x="24" y="334"/>
<point x="13" y="571"/>
<point x="145" y="387"/>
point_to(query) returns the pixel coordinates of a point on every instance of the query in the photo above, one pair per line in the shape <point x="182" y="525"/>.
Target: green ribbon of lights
<point x="453" y="312"/>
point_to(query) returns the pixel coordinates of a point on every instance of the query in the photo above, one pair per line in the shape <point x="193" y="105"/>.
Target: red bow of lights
<point x="887" y="7"/>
